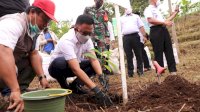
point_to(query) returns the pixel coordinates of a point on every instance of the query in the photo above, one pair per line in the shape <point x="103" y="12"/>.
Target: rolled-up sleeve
<point x="10" y="31"/>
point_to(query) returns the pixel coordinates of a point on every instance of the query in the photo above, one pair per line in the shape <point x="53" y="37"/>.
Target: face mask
<point x="81" y="38"/>
<point x="33" y="29"/>
<point x="158" y="3"/>
<point x="128" y="11"/>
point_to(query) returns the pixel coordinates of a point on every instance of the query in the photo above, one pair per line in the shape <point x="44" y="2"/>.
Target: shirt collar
<point x="152" y="6"/>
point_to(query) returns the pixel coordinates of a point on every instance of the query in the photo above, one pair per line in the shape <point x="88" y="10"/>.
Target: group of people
<point x="21" y="38"/>
<point x="134" y="37"/>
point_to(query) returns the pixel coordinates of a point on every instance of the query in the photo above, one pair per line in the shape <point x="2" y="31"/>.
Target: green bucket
<point x="48" y="100"/>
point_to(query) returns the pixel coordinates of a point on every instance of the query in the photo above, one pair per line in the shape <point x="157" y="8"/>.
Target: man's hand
<point x="104" y="81"/>
<point x="16" y="103"/>
<point x="145" y="39"/>
<point x="49" y="40"/>
<point x="177" y="9"/>
<point x="44" y="83"/>
<point x="168" y="23"/>
<point x="102" y="99"/>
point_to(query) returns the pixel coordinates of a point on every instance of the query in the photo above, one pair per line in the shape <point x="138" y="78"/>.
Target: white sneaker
<point x="173" y="73"/>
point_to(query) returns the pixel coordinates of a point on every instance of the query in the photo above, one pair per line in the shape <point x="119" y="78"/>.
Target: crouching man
<point x="67" y="61"/>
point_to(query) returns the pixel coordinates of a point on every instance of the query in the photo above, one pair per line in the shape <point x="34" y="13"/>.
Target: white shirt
<point x="10" y="32"/>
<point x="131" y="24"/>
<point x="110" y="29"/>
<point x="70" y="48"/>
<point x="153" y="12"/>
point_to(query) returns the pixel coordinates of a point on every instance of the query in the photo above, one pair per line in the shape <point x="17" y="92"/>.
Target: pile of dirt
<point x="171" y="95"/>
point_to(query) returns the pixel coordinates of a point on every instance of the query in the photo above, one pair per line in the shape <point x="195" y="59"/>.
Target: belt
<point x="158" y="26"/>
<point x="136" y="33"/>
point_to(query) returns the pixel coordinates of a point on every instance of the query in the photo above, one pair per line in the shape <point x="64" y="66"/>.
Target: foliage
<point x="59" y="28"/>
<point x="185" y="5"/>
<point x="139" y="5"/>
<point x="104" y="59"/>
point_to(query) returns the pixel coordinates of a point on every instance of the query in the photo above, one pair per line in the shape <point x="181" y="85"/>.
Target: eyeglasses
<point x="85" y="33"/>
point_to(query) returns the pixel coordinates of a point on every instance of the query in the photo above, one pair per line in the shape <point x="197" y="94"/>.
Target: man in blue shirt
<point x="48" y="40"/>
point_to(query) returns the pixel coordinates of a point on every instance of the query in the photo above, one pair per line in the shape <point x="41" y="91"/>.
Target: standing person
<point x="48" y="41"/>
<point x="20" y="60"/>
<point x="101" y="35"/>
<point x="13" y="6"/>
<point x="145" y="59"/>
<point x="131" y="25"/>
<point x="67" y="61"/>
<point x="143" y="40"/>
<point x="159" y="35"/>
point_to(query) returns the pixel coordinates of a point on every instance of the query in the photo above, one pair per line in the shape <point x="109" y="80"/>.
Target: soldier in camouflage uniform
<point x="100" y="34"/>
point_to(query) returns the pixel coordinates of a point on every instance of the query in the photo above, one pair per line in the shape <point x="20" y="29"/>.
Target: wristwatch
<point x="41" y="77"/>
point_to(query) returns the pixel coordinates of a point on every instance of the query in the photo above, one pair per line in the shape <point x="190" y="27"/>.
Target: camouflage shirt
<point x="100" y="26"/>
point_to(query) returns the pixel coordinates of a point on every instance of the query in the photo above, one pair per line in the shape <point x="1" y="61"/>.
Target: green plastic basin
<point x="48" y="100"/>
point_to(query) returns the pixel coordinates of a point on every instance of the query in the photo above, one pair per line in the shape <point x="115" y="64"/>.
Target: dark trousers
<point x="161" y="42"/>
<point x="132" y="43"/>
<point x="60" y="70"/>
<point x="145" y="57"/>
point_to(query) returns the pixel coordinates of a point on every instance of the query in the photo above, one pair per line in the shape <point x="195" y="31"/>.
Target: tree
<point x="139" y="5"/>
<point x="60" y="28"/>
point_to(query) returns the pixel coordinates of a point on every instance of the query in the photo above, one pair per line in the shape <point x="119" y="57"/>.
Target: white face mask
<point x="128" y="11"/>
<point x="158" y="3"/>
<point x="81" y="38"/>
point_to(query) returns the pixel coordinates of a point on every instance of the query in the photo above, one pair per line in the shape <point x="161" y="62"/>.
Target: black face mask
<point x="99" y="4"/>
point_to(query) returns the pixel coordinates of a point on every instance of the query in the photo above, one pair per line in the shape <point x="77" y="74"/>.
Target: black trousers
<point x="145" y="57"/>
<point x="60" y="70"/>
<point x="161" y="42"/>
<point x="132" y="43"/>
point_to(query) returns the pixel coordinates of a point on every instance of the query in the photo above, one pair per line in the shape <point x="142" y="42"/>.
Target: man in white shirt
<point x="19" y="57"/>
<point x="131" y="25"/>
<point x="67" y="61"/>
<point x="159" y="35"/>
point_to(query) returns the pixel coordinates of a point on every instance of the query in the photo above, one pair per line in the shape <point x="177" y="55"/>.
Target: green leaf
<point x="96" y="51"/>
<point x="108" y="68"/>
<point x="107" y="53"/>
<point x="112" y="64"/>
<point x="90" y="55"/>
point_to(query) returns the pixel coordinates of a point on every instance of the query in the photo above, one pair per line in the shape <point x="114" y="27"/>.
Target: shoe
<point x="140" y="73"/>
<point x="147" y="69"/>
<point x="173" y="73"/>
<point x="130" y="75"/>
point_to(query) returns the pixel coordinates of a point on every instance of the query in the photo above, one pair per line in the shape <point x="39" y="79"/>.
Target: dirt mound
<point x="173" y="94"/>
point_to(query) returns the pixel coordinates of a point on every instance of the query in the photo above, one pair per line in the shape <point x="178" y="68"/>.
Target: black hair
<point x="84" y="19"/>
<point x="36" y="9"/>
<point x="138" y="13"/>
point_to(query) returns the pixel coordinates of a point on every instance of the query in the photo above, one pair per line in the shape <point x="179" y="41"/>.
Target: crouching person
<point x="67" y="61"/>
<point x="19" y="58"/>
